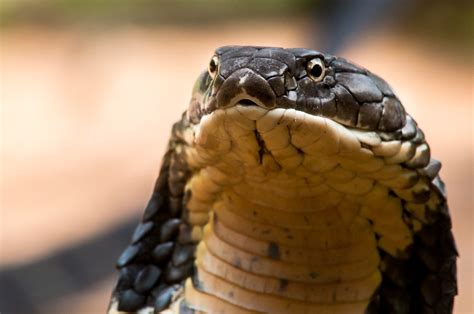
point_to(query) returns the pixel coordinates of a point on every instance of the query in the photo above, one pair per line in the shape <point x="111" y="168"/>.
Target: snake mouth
<point x="247" y="103"/>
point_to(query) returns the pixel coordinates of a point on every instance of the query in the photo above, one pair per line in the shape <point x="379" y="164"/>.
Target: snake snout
<point x="246" y="87"/>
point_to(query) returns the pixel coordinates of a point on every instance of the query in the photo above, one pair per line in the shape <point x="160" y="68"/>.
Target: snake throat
<point x="287" y="202"/>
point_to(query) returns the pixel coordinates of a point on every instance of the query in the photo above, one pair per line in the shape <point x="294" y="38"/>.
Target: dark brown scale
<point x="369" y="115"/>
<point x="300" y="103"/>
<point x="127" y="276"/>
<point x="163" y="298"/>
<point x="304" y="53"/>
<point x="267" y="67"/>
<point x="328" y="106"/>
<point x="128" y="255"/>
<point x="278" y="85"/>
<point x="347" y="108"/>
<point x="381" y="84"/>
<point x="360" y="86"/>
<point x="419" y="161"/>
<point x="439" y="185"/>
<point x="341" y="65"/>
<point x="139" y="263"/>
<point x="421" y="196"/>
<point x="300" y="72"/>
<point x="411" y="151"/>
<point x="169" y="229"/>
<point x="182" y="254"/>
<point x="162" y="181"/>
<point x="429" y="258"/>
<point x="176" y="186"/>
<point x="393" y="115"/>
<point x="232" y="65"/>
<point x="152" y="208"/>
<point x="431" y="170"/>
<point x="236" y="51"/>
<point x="162" y="252"/>
<point x="217" y="84"/>
<point x="176" y="205"/>
<point x="280" y="55"/>
<point x="305" y="86"/>
<point x="129" y="301"/>
<point x="141" y="231"/>
<point x="409" y="130"/>
<point x="288" y="101"/>
<point x="419" y="137"/>
<point x="146" y="278"/>
<point x="399" y="271"/>
<point x="290" y="81"/>
<point x="175" y="274"/>
<point x="314" y="105"/>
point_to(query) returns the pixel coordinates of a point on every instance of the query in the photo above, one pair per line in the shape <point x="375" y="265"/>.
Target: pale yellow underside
<point x="291" y="228"/>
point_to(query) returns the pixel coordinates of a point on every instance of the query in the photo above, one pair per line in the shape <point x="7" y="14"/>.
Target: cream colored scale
<point x="287" y="227"/>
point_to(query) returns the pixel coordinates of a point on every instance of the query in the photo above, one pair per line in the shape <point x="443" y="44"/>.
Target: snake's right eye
<point x="316" y="69"/>
<point x="213" y="67"/>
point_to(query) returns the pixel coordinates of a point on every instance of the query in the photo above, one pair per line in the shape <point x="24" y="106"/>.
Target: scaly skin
<point x="294" y="183"/>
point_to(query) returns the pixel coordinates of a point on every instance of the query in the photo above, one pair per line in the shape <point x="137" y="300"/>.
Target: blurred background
<point x="89" y="90"/>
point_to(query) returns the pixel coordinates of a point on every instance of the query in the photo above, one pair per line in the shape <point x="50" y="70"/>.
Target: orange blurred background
<point x="87" y="103"/>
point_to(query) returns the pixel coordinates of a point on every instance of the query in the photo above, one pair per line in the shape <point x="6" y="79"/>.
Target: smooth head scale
<point x="305" y="80"/>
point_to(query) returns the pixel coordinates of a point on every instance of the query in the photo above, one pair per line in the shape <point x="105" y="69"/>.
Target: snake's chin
<point x="250" y="131"/>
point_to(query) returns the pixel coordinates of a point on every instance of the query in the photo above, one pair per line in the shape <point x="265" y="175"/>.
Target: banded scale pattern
<point x="294" y="183"/>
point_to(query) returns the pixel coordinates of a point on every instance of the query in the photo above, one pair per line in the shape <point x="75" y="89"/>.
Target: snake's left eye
<point x="316" y="69"/>
<point x="213" y="66"/>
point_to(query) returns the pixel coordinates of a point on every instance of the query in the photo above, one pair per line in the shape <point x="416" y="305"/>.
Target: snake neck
<point x="287" y="253"/>
<point x="285" y="228"/>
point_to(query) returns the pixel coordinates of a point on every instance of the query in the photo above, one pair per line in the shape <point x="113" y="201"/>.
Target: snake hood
<point x="295" y="182"/>
<point x="305" y="80"/>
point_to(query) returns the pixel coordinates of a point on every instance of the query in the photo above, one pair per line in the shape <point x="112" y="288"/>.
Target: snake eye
<point x="213" y="66"/>
<point x="316" y="69"/>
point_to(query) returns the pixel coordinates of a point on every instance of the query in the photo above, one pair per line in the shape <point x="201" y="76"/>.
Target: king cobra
<point x="295" y="182"/>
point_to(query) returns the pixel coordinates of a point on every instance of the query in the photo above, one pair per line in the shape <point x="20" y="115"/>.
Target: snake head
<point x="301" y="79"/>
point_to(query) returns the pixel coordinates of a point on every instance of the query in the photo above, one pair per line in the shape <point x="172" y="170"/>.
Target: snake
<point x="295" y="182"/>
